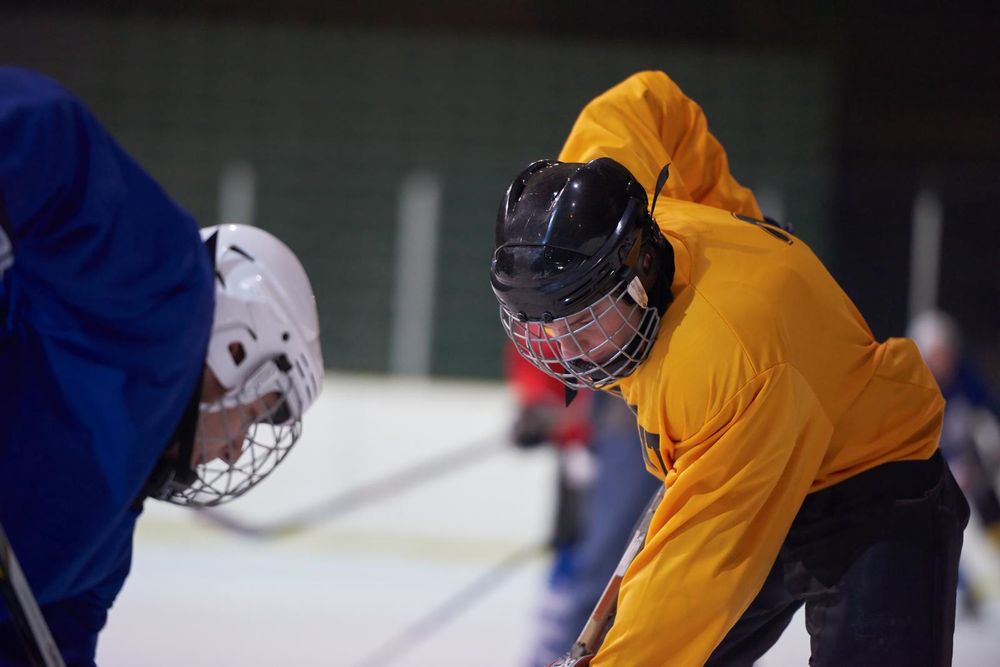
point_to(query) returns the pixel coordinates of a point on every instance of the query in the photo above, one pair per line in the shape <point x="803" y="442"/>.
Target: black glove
<point x="533" y="425"/>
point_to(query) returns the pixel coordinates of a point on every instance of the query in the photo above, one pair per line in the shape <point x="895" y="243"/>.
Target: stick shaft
<point x="603" y="616"/>
<point x="24" y="612"/>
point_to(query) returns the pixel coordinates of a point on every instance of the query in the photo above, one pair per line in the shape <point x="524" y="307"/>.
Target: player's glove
<point x="566" y="661"/>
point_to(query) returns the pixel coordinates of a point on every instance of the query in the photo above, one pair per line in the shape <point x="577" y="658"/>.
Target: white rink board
<point x="333" y="595"/>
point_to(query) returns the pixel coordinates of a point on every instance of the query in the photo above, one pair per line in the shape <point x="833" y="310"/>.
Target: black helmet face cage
<point x="593" y="347"/>
<point x="250" y="435"/>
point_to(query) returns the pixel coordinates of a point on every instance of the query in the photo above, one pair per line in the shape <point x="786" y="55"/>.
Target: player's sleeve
<point x="95" y="241"/>
<point x="723" y="518"/>
<point x="646" y="122"/>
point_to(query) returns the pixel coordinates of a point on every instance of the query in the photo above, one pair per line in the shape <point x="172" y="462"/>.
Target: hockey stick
<point x="24" y="612"/>
<point x="363" y="495"/>
<point x="604" y="611"/>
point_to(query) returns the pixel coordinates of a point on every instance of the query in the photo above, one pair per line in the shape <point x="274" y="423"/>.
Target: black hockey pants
<point x="875" y="561"/>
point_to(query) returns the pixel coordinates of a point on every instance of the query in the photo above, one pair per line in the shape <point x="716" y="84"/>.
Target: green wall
<point x="332" y="119"/>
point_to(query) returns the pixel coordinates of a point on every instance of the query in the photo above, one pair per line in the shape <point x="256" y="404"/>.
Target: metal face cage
<point x="593" y="347"/>
<point x="255" y="429"/>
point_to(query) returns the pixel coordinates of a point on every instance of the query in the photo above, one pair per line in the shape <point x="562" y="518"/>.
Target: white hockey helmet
<point x="934" y="329"/>
<point x="264" y="303"/>
<point x="264" y="343"/>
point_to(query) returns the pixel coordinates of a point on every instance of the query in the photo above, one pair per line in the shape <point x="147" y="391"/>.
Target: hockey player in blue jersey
<point x="139" y="357"/>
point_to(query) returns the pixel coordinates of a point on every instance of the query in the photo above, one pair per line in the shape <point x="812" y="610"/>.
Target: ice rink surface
<point x="444" y="572"/>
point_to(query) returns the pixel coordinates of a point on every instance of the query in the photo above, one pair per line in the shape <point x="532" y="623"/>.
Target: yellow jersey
<point x="764" y="384"/>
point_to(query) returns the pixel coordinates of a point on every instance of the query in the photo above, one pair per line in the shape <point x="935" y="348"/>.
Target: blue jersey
<point x="968" y="384"/>
<point x="106" y="305"/>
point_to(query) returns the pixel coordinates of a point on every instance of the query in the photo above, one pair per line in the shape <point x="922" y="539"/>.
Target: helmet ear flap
<point x="656" y="267"/>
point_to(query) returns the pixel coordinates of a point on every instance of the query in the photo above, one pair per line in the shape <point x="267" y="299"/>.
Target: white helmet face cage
<point x="594" y="347"/>
<point x="241" y="438"/>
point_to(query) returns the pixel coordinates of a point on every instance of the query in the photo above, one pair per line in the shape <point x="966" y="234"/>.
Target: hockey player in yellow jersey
<point x="799" y="455"/>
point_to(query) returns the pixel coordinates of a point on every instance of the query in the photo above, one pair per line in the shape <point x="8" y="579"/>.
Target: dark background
<point x="895" y="98"/>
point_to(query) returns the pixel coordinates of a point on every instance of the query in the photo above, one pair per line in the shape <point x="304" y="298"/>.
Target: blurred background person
<point x="968" y="434"/>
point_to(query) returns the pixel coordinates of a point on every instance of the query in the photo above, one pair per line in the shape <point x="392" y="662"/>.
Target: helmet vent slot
<point x="240" y="251"/>
<point x="237" y="352"/>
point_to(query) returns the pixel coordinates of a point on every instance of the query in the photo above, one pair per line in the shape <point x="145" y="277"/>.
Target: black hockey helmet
<point x="569" y="235"/>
